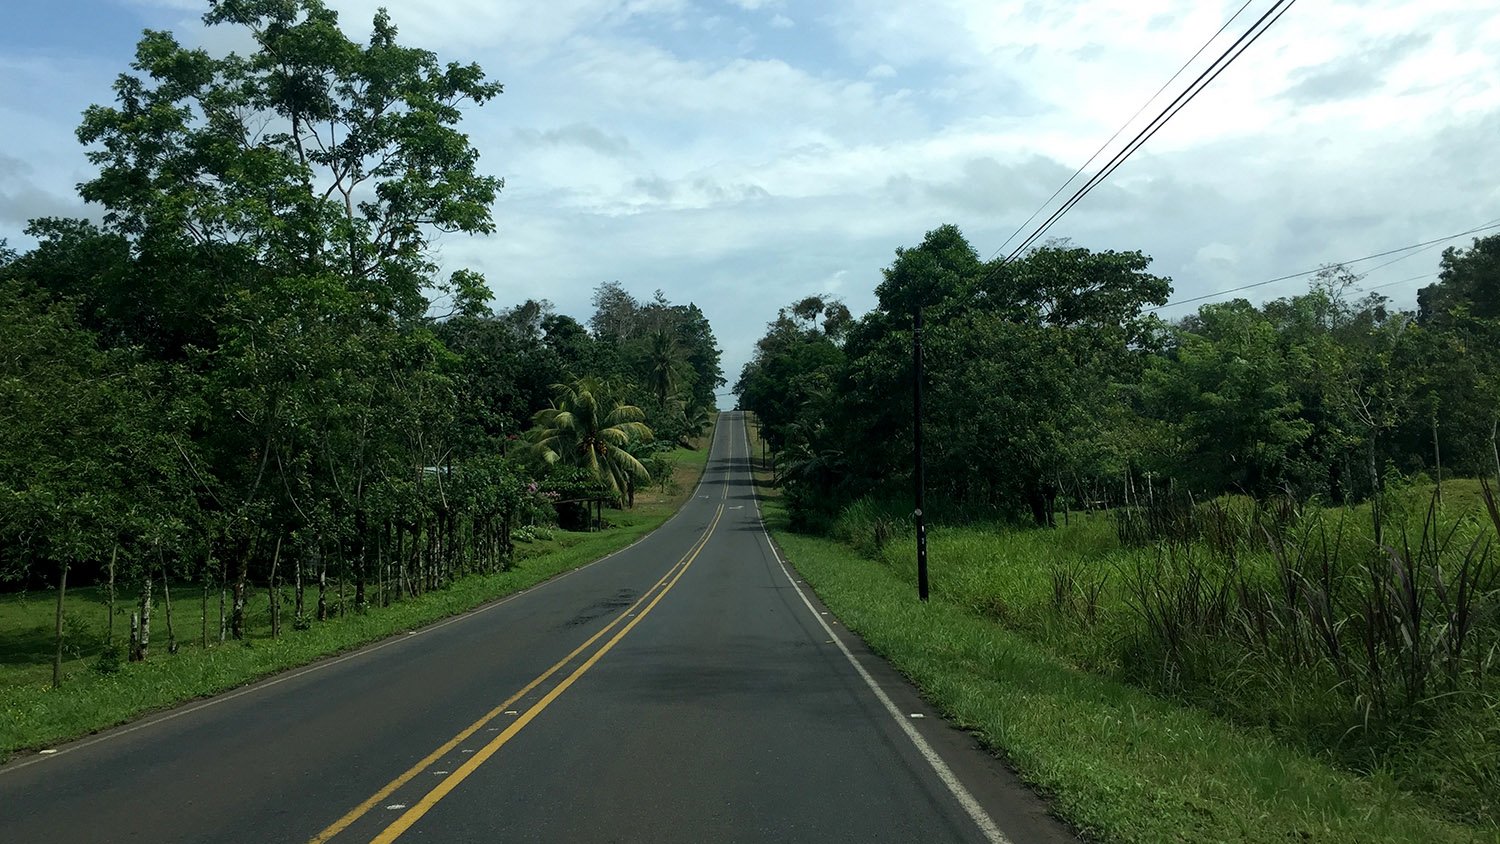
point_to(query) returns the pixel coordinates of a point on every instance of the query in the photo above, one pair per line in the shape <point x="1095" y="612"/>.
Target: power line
<point x="1424" y="247"/>
<point x="1290" y="276"/>
<point x="1122" y="128"/>
<point x="1394" y="283"/>
<point x="1228" y="57"/>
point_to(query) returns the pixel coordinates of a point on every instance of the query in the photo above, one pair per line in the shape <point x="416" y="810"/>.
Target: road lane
<point x="679" y="691"/>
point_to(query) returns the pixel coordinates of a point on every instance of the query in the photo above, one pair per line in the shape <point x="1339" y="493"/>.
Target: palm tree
<point x="665" y="367"/>
<point x="588" y="427"/>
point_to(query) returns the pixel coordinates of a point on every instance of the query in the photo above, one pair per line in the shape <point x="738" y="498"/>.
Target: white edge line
<point x="976" y="812"/>
<point x="396" y="637"/>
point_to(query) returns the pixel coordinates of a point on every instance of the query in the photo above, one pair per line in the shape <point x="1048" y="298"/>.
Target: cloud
<point x="581" y="135"/>
<point x="1352" y="75"/>
<point x="712" y="151"/>
<point x="21" y="200"/>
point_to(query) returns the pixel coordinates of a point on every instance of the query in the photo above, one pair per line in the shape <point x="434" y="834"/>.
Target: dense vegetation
<point x="248" y="373"/>
<point x="1050" y="382"/>
<point x="1253" y="511"/>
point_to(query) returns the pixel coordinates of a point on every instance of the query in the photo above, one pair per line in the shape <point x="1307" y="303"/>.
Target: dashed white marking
<point x="508" y="712"/>
<point x="918" y="715"/>
<point x="396" y="806"/>
<point x="466" y="751"/>
<point x="47" y="751"/>
<point x="439" y="773"/>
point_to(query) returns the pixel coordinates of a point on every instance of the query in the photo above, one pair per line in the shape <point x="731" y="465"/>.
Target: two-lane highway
<point x="685" y="689"/>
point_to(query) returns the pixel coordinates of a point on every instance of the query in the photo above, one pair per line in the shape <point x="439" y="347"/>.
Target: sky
<point x="742" y="154"/>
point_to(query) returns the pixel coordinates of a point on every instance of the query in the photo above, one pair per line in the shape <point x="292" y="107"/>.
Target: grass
<point x="33" y="715"/>
<point x="1119" y="763"/>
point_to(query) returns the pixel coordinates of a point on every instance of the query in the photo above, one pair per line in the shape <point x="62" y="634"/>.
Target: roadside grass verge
<point x="1287" y="620"/>
<point x="1119" y="764"/>
<point x="33" y="715"/>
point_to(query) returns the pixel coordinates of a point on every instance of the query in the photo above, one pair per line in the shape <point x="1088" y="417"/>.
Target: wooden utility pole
<point x="920" y="473"/>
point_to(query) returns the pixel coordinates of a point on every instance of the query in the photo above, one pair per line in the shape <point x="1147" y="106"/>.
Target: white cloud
<point x="732" y="160"/>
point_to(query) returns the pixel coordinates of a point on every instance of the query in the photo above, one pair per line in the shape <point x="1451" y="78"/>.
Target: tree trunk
<point x="359" y="584"/>
<point x="62" y="589"/>
<point x="166" y="596"/>
<point x="1377" y="498"/>
<point x="1437" y="457"/>
<point x="298" y="612"/>
<point x="140" y="645"/>
<point x="203" y="615"/>
<point x="401" y="580"/>
<point x="241" y="587"/>
<point x="273" y="594"/>
<point x="1037" y="500"/>
<point x="223" y="576"/>
<point x="109" y="633"/>
<point x="322" y="585"/>
<point x="362" y="551"/>
<point x="507" y="547"/>
<point x="380" y="572"/>
<point x="1495" y="446"/>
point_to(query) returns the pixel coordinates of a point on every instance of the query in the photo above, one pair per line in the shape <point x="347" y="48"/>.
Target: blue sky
<point x="743" y="154"/>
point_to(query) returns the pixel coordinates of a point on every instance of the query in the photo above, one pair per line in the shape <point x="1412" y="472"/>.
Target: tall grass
<point x="1287" y="618"/>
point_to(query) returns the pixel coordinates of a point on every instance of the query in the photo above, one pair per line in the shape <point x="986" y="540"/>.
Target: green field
<point x="33" y="715"/>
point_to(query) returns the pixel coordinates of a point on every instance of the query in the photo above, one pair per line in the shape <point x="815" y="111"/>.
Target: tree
<point x="283" y="203"/>
<point x="663" y="365"/>
<point x="1226" y="387"/>
<point x="590" y="429"/>
<point x="1468" y="284"/>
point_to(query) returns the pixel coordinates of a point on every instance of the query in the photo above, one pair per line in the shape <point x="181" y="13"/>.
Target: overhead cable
<point x="1227" y="58"/>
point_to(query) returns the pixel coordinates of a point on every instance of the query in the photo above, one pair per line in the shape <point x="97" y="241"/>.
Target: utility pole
<point x="919" y="474"/>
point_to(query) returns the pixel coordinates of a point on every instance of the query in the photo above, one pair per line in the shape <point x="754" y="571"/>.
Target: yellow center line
<point x="447" y="747"/>
<point x="415" y="813"/>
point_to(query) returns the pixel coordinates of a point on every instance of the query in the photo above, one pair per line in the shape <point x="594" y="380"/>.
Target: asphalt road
<point x="686" y="689"/>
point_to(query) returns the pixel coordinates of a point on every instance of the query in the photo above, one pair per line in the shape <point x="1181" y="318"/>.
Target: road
<point x="686" y="689"/>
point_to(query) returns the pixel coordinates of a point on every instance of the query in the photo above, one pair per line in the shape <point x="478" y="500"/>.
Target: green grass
<point x="33" y="715"/>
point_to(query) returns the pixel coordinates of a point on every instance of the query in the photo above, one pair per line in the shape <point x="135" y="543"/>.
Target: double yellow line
<point x="415" y="812"/>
